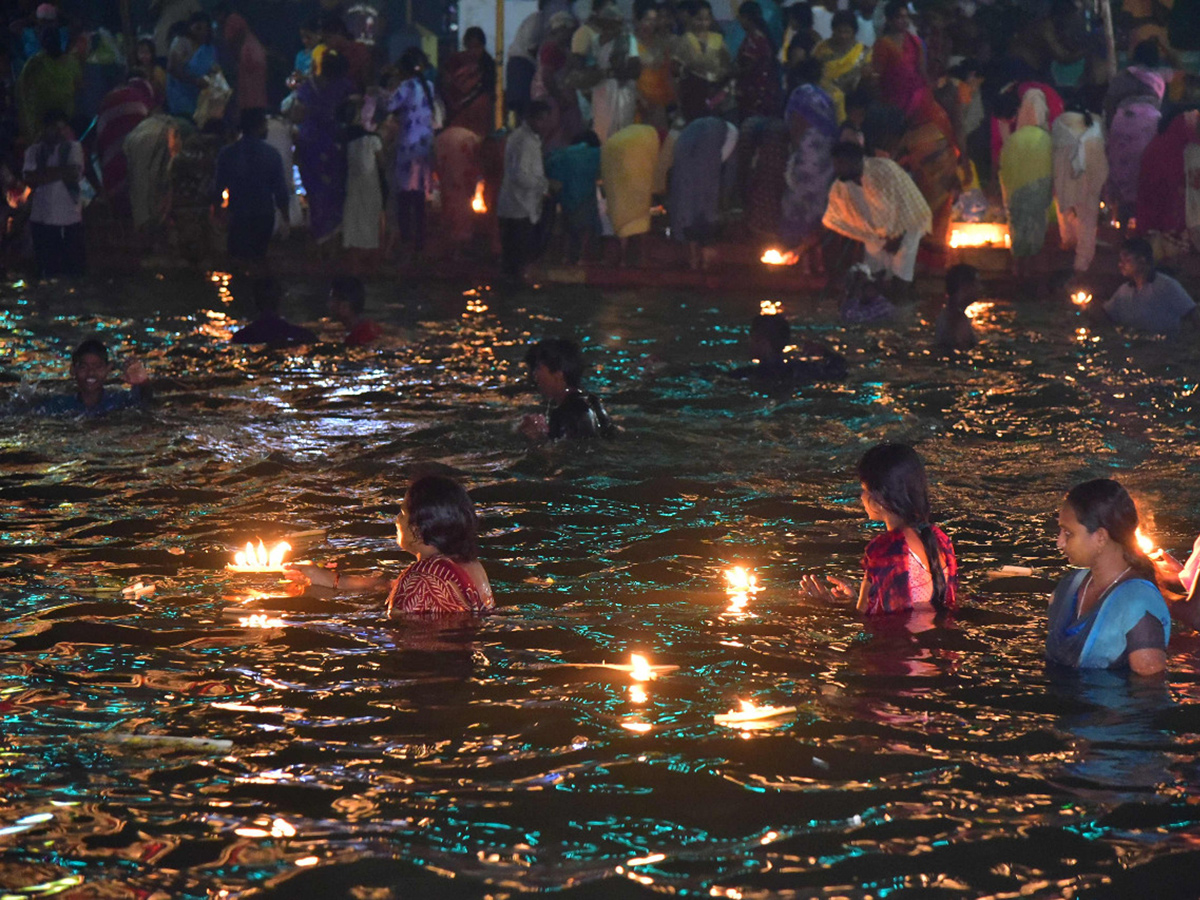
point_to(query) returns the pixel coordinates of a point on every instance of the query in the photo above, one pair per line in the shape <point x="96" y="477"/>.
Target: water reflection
<point x="225" y="734"/>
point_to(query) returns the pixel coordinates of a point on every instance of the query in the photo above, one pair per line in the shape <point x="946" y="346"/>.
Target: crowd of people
<point x="787" y="125"/>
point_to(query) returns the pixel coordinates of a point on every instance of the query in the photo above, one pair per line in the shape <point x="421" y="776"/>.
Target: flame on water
<point x="979" y="234"/>
<point x="260" y="557"/>
<point x="774" y="257"/>
<point x="1081" y="298"/>
<point x="478" y="204"/>
<point x="225" y="199"/>
<point x="640" y="668"/>
<point x="741" y="580"/>
<point x="770" y="308"/>
<point x="1146" y="544"/>
<point x="978" y="308"/>
<point x="260" y="620"/>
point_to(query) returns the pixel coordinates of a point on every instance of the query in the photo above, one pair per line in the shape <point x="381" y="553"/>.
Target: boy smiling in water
<point x="90" y="368"/>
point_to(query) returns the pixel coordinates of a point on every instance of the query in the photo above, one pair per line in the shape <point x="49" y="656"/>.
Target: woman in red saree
<point x="929" y="153"/>
<point x="438" y="525"/>
<point x="898" y="58"/>
<point x="469" y="85"/>
<point x="1162" y="186"/>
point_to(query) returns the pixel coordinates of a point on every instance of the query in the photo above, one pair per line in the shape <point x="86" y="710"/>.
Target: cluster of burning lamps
<point x="741" y="584"/>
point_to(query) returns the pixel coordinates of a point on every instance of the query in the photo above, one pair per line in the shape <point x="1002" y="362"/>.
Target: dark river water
<point x="227" y="737"/>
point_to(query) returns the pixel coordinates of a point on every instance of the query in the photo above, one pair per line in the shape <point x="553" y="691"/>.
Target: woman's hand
<point x="317" y="576"/>
<point x="535" y="427"/>
<point x="135" y="372"/>
<point x="832" y="590"/>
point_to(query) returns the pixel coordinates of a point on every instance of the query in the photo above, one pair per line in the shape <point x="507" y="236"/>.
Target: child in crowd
<point x="1108" y="613"/>
<point x="770" y="336"/>
<point x="54" y="169"/>
<point x="556" y="368"/>
<point x="347" y="300"/>
<point x="912" y="565"/>
<point x="954" y="330"/>
<point x="437" y="524"/>
<point x="363" y="209"/>
<point x="90" y="368"/>
<point x="269" y="327"/>
<point x="147" y="65"/>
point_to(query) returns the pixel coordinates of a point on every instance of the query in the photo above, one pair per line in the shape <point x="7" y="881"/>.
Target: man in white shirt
<point x="53" y="169"/>
<point x="523" y="192"/>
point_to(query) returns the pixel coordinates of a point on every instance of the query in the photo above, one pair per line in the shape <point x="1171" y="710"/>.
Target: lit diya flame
<point x="770" y="308"/>
<point x="225" y="199"/>
<point x="979" y="234"/>
<point x="1081" y="298"/>
<point x="741" y="580"/>
<point x="1147" y="545"/>
<point x="775" y="257"/>
<point x="749" y="714"/>
<point x="259" y="559"/>
<point x="478" y="204"/>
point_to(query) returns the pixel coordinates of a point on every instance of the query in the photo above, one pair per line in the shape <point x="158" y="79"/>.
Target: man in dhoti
<point x="874" y="201"/>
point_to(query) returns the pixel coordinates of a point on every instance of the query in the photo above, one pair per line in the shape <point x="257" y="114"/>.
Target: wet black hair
<point x="90" y="347"/>
<point x="959" y="276"/>
<point x="895" y="477"/>
<point x="252" y="119"/>
<point x="845" y="17"/>
<point x="1146" y="54"/>
<point x="1139" y="247"/>
<point x="474" y="32"/>
<point x="349" y="289"/>
<point x="557" y="355"/>
<point x="774" y="329"/>
<point x="442" y="516"/>
<point x="1104" y="503"/>
<point x="267" y="293"/>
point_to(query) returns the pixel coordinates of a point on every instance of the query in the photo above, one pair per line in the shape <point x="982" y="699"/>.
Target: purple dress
<point x="321" y="155"/>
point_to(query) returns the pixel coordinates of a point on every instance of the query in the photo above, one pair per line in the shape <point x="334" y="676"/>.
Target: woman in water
<point x="437" y="524"/>
<point x="911" y="565"/>
<point x="1108" y="613"/>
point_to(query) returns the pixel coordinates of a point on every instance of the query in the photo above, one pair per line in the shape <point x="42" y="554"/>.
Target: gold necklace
<point x="1107" y="587"/>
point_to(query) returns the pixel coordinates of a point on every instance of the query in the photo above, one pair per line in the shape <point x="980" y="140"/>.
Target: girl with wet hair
<point x="1109" y="612"/>
<point x="912" y="565"/>
<point x="438" y="525"/>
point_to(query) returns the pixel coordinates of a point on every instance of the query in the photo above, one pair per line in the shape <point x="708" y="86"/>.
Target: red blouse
<point x="437" y="586"/>
<point x="886" y="565"/>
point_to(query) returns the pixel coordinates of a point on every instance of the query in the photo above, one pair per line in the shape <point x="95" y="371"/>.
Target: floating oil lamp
<point x="639" y="668"/>
<point x="478" y="204"/>
<point x="260" y="620"/>
<point x="260" y="560"/>
<point x="1147" y="546"/>
<point x="774" y="257"/>
<point x="741" y="580"/>
<point x="977" y="309"/>
<point x="751" y="716"/>
<point x="979" y="234"/>
<point x="1081" y="298"/>
<point x="770" y="308"/>
<point x="225" y="199"/>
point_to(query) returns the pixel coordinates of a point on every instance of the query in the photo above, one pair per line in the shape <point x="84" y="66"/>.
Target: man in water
<point x="252" y="171"/>
<point x="347" y="300"/>
<point x="1151" y="300"/>
<point x="877" y="203"/>
<point x="90" y="368"/>
<point x="770" y="336"/>
<point x="270" y="327"/>
<point x="556" y="369"/>
<point x="953" y="330"/>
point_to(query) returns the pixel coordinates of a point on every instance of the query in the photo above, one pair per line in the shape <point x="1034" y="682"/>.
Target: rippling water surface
<point x="327" y="752"/>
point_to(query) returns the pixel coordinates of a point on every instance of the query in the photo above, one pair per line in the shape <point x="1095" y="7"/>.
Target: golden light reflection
<point x="979" y="234"/>
<point x="260" y="620"/>
<point x="770" y="308"/>
<point x="774" y="257"/>
<point x="222" y="280"/>
<point x="637" y="727"/>
<point x="977" y="309"/>
<point x="478" y="204"/>
<point x="1081" y="298"/>
<point x="751" y="716"/>
<point x="646" y="860"/>
<point x="260" y="559"/>
<point x="741" y="580"/>
<point x="637" y="694"/>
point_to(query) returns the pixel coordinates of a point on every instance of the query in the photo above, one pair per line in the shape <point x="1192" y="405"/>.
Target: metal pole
<point x="498" y="42"/>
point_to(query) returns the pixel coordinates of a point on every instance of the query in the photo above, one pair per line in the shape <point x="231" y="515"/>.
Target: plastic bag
<point x="213" y="99"/>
